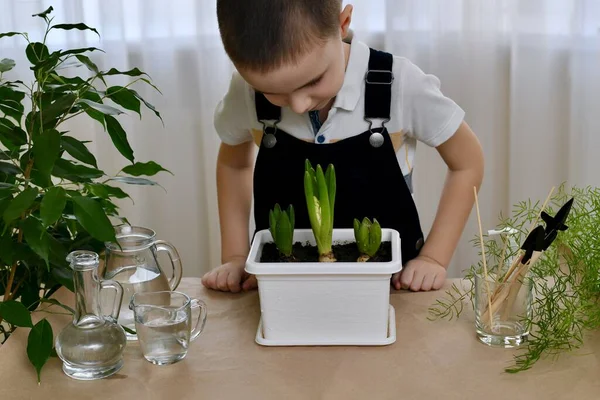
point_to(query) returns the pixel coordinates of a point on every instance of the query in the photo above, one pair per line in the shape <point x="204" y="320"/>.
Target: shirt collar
<point x="348" y="96"/>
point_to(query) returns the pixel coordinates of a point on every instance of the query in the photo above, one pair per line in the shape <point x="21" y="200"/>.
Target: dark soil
<point x="304" y="252"/>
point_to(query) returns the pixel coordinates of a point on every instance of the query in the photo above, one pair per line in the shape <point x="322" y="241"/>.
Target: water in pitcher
<point x="137" y="279"/>
<point x="163" y="335"/>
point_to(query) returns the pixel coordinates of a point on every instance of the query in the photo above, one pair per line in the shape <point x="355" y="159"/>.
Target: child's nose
<point x="299" y="104"/>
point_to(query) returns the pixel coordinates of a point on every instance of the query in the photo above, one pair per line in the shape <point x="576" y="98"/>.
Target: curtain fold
<point x="526" y="74"/>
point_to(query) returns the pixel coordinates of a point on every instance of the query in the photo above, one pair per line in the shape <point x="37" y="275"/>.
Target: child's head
<point x="290" y="50"/>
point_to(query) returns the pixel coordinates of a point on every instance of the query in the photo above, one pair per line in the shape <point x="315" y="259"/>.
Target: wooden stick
<point x="517" y="260"/>
<point x="487" y="283"/>
<point x="502" y="257"/>
<point x="515" y="286"/>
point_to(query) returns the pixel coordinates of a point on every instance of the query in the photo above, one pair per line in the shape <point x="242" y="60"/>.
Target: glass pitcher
<point x="133" y="262"/>
<point x="92" y="346"/>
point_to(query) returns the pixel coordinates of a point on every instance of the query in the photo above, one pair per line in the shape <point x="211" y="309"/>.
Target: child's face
<point x="313" y="80"/>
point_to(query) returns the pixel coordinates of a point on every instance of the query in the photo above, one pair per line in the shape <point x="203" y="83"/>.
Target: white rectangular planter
<point x="339" y="303"/>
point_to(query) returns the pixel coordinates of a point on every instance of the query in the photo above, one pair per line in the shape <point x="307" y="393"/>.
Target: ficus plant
<point x="368" y="238"/>
<point x="281" y="226"/>
<point x="319" y="189"/>
<point x="53" y="197"/>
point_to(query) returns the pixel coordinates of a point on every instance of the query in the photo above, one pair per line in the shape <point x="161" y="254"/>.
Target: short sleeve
<point x="231" y="115"/>
<point x="428" y="115"/>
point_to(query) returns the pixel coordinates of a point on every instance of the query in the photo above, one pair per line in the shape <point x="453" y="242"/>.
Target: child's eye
<point x="315" y="82"/>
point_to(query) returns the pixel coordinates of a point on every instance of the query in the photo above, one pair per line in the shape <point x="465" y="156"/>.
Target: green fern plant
<point x="563" y="311"/>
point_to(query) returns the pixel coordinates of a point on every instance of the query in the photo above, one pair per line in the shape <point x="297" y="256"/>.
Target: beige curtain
<point x="526" y="72"/>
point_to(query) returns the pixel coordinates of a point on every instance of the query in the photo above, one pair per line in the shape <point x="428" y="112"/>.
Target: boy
<point x="302" y="90"/>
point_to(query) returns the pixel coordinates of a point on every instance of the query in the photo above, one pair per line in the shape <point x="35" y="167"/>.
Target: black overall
<point x="369" y="180"/>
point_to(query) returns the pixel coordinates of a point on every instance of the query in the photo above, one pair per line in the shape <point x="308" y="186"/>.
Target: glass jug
<point x="92" y="346"/>
<point x="133" y="262"/>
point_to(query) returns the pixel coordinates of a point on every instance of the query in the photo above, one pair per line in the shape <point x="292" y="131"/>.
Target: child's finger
<point x="407" y="277"/>
<point x="250" y="283"/>
<point x="417" y="281"/>
<point x="233" y="282"/>
<point x="222" y="280"/>
<point x="428" y="280"/>
<point x="209" y="280"/>
<point x="439" y="281"/>
<point x="396" y="280"/>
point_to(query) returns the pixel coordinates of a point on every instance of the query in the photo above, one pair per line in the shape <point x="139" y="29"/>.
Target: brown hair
<point x="263" y="34"/>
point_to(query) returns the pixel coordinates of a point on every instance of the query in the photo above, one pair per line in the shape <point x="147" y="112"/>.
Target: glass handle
<point x="116" y="304"/>
<point x="161" y="245"/>
<point x="201" y="318"/>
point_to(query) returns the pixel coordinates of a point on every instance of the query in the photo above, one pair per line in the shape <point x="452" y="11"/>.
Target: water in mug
<point x="137" y="279"/>
<point x="164" y="335"/>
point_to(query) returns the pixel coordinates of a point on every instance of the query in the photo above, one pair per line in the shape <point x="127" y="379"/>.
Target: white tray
<point x="391" y="338"/>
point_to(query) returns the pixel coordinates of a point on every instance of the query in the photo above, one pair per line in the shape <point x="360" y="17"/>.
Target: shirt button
<point x="320" y="139"/>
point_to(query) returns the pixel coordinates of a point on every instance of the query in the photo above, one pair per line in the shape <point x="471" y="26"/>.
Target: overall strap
<point x="378" y="85"/>
<point x="265" y="110"/>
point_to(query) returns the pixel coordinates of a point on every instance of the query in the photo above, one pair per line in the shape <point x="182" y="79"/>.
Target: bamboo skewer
<point x="487" y="283"/>
<point x="506" y="293"/>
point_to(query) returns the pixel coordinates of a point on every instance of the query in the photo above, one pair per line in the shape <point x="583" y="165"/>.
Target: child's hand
<point x="421" y="273"/>
<point x="230" y="277"/>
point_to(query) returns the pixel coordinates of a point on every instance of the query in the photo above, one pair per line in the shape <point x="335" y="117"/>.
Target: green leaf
<point x="284" y="235"/>
<point x="103" y="108"/>
<point x="79" y="51"/>
<point x="356" y="227"/>
<point x="9" y="168"/>
<point x="36" y="237"/>
<point x="119" y="137"/>
<point x="55" y="110"/>
<point x="85" y="60"/>
<point x="106" y="191"/>
<point x="78" y="150"/>
<point x="39" y="345"/>
<point x="81" y="27"/>
<point x="148" y="105"/>
<point x="148" y="169"/>
<point x="9" y="34"/>
<point x="125" y="98"/>
<point x="92" y="217"/>
<point x="11" y="103"/>
<point x="6" y="64"/>
<point x="20" y="204"/>
<point x="53" y="204"/>
<point x="63" y="276"/>
<point x="326" y="231"/>
<point x="374" y="238"/>
<point x="37" y="52"/>
<point x="46" y="149"/>
<point x="131" y="72"/>
<point x="30" y="296"/>
<point x="58" y="303"/>
<point x="75" y="172"/>
<point x="15" y="313"/>
<point x="6" y="248"/>
<point x="45" y="13"/>
<point x="11" y="136"/>
<point x="128" y="330"/>
<point x="133" y="181"/>
<point x="331" y="189"/>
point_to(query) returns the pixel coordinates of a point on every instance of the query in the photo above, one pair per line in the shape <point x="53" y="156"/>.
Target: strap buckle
<point x="272" y="125"/>
<point x="379" y="76"/>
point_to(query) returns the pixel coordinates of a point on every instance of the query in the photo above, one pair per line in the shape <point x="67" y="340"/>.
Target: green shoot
<point x="320" y="190"/>
<point x="368" y="238"/>
<point x="281" y="226"/>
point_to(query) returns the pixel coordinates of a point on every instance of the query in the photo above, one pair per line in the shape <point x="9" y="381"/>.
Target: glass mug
<point x="133" y="262"/>
<point x="163" y="322"/>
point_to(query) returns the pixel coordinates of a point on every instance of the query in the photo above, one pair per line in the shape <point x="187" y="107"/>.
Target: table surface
<point x="430" y="360"/>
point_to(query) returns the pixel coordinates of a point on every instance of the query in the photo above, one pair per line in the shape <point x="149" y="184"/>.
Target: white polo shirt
<point x="419" y="111"/>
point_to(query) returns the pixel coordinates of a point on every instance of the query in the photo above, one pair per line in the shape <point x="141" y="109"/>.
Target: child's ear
<point x="345" y="19"/>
